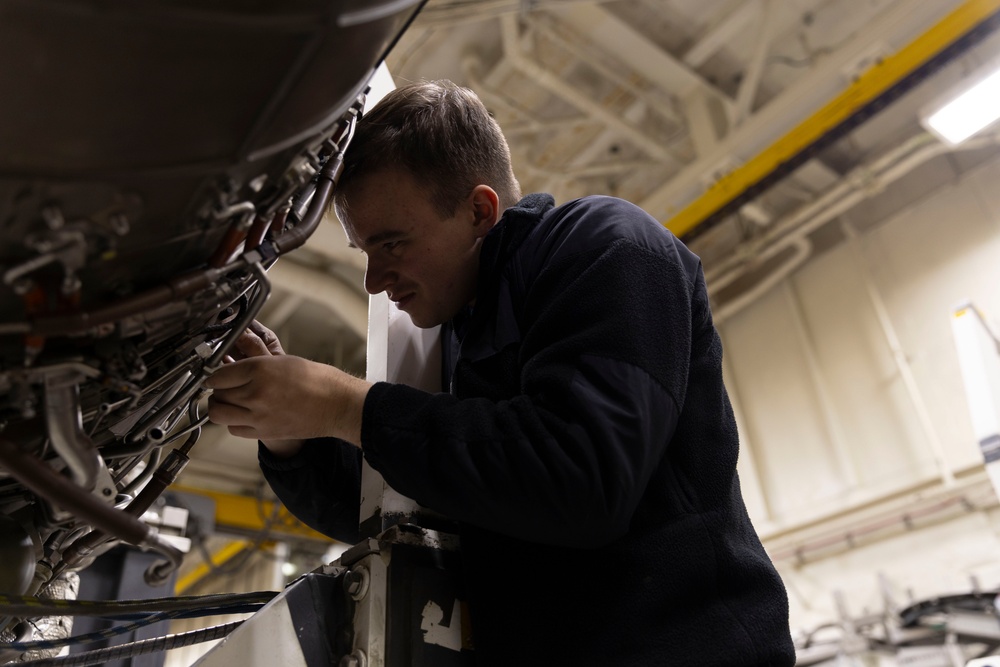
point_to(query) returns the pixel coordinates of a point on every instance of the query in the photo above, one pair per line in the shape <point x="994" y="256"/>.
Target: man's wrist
<point x="283" y="449"/>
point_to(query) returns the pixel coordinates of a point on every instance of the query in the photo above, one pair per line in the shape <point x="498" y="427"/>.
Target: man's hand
<point x="281" y="399"/>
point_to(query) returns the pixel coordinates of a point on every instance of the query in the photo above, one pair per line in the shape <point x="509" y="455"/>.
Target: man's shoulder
<point x="597" y="221"/>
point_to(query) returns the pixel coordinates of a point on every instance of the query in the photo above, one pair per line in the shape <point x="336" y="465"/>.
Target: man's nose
<point x="378" y="277"/>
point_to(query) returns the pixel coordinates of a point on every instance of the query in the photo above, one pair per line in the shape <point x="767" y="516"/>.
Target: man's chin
<point x="421" y="323"/>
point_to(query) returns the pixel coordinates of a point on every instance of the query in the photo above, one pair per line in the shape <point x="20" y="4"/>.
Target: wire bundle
<point x="139" y="613"/>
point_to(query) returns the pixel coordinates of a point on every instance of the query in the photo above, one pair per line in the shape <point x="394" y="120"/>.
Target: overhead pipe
<point x="861" y="184"/>
<point x="803" y="251"/>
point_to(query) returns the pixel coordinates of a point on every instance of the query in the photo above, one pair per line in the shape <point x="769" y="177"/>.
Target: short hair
<point x="442" y="134"/>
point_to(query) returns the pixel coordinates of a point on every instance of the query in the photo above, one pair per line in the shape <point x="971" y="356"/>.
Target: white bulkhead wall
<point x="834" y="440"/>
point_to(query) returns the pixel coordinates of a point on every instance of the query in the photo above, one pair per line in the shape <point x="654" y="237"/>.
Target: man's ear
<point x="486" y="208"/>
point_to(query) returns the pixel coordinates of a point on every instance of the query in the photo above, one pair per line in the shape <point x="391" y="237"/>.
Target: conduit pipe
<point x="862" y="183"/>
<point x="803" y="251"/>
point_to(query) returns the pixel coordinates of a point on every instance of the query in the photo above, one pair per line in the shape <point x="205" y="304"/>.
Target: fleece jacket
<point x="586" y="448"/>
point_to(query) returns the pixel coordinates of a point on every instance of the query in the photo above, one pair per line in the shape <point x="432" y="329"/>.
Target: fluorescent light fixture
<point x="973" y="110"/>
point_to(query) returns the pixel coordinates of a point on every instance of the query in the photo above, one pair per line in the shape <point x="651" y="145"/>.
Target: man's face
<point x="427" y="264"/>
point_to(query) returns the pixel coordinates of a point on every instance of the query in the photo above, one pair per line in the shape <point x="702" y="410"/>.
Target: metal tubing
<point x="65" y="426"/>
<point x="317" y="206"/>
<point x="136" y="441"/>
<point x="53" y="487"/>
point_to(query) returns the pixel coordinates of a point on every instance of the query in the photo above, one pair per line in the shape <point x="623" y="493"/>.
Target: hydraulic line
<point x="137" y="440"/>
<point x="325" y="182"/>
<point x="188" y="284"/>
<point x="64" y="422"/>
<point x="164" y="476"/>
<point x="53" y="487"/>
<point x="154" y="460"/>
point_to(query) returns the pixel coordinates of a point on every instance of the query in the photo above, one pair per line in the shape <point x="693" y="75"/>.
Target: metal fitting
<point x="355" y="659"/>
<point x="356" y="582"/>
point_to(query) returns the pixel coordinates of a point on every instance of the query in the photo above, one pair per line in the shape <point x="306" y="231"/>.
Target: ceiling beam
<point x="571" y="94"/>
<point x="634" y="49"/>
<point x="720" y="34"/>
<point x="815" y="103"/>
<point x="750" y="83"/>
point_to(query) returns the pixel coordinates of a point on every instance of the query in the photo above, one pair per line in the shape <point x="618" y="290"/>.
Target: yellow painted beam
<point x="246" y="514"/>
<point x="219" y="558"/>
<point x="869" y="86"/>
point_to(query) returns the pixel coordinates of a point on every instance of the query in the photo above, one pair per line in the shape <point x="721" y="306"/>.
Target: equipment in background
<point x="979" y="360"/>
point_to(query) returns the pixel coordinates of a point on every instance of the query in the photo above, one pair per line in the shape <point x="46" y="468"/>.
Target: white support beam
<point x="720" y="34"/>
<point x="895" y="27"/>
<point x="755" y="70"/>
<point x="635" y="50"/>
<point x="557" y="86"/>
<point x="704" y="134"/>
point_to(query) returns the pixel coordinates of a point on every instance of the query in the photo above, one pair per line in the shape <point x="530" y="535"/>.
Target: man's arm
<point x="320" y="484"/>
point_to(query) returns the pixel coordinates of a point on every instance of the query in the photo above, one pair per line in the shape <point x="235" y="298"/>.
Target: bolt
<point x="355" y="659"/>
<point x="22" y="286"/>
<point x="106" y="491"/>
<point x="53" y="217"/>
<point x="119" y="223"/>
<point x="356" y="582"/>
<point x="71" y="284"/>
<point x="353" y="581"/>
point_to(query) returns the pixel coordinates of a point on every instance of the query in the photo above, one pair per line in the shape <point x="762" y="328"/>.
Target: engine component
<point x="155" y="160"/>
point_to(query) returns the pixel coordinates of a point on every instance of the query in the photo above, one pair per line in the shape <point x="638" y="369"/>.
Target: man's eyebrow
<point x="379" y="237"/>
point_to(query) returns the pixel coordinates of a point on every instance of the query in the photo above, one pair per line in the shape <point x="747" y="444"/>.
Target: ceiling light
<point x="973" y="109"/>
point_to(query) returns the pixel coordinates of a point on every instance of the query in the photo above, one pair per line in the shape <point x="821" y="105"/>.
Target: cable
<point x="90" y="637"/>
<point x="133" y="649"/>
<point x="21" y="605"/>
<point x="132" y="626"/>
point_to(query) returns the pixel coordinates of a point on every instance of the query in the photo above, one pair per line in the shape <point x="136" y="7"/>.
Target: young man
<point x="587" y="447"/>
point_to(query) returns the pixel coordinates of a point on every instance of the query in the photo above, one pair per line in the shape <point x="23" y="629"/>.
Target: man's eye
<point x="390" y="245"/>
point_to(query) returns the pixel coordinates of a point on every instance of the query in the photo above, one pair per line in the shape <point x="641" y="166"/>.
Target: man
<point x="587" y="447"/>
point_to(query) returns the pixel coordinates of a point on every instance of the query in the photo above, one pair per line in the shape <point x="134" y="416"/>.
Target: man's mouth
<point x="401" y="302"/>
